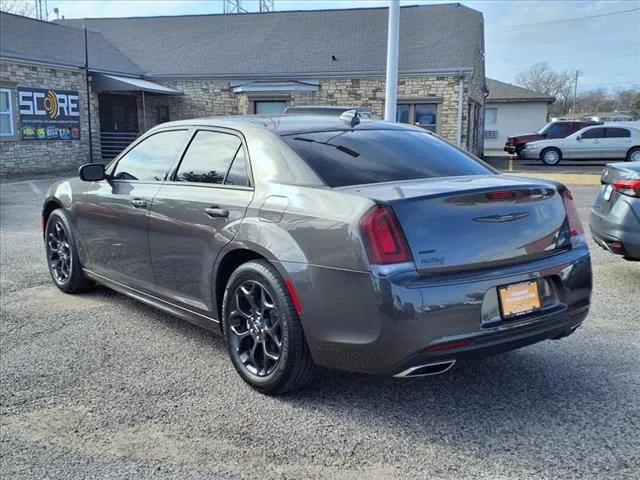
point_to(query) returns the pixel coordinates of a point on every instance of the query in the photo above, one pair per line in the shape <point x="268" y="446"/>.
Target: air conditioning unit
<point x="491" y="134"/>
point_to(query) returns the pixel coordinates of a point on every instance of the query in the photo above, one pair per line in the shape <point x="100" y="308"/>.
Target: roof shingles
<point x="28" y="39"/>
<point x="505" y="92"/>
<point x="433" y="38"/>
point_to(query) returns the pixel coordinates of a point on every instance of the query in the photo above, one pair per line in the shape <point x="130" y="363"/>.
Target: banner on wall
<point x="47" y="114"/>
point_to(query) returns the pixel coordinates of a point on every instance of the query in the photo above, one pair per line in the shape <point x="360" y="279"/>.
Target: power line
<point x="624" y="82"/>
<point x="593" y="60"/>
<point x="555" y="22"/>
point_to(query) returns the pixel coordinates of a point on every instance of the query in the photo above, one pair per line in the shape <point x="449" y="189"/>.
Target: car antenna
<point x="351" y="116"/>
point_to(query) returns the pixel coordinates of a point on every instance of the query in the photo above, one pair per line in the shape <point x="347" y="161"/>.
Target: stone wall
<point x="215" y="97"/>
<point x="22" y="157"/>
<point x="207" y="97"/>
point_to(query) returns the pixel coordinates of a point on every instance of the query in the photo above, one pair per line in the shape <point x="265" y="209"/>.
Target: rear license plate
<point x="519" y="299"/>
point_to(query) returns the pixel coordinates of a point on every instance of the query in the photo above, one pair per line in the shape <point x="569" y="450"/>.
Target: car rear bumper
<point x="608" y="233"/>
<point x="368" y="322"/>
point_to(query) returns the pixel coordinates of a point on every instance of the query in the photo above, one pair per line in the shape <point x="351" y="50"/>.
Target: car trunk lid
<point x="620" y="171"/>
<point x="475" y="222"/>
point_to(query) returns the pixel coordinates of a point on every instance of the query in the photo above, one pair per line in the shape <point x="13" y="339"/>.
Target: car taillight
<point x="575" y="225"/>
<point x="630" y="188"/>
<point x="501" y="195"/>
<point x="383" y="237"/>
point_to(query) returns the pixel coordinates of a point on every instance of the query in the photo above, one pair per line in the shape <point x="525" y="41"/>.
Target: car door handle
<point x="139" y="203"/>
<point x="596" y="141"/>
<point x="217" y="212"/>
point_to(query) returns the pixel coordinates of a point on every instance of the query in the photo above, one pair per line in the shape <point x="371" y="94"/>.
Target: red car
<point x="558" y="129"/>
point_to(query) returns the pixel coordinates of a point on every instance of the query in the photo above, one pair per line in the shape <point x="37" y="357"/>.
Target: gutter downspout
<point x="86" y="77"/>
<point x="144" y="112"/>
<point x="460" y="109"/>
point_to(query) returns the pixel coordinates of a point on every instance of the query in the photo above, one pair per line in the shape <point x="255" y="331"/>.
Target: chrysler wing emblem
<point x="509" y="217"/>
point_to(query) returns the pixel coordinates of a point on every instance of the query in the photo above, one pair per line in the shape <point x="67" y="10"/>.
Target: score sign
<point x="47" y="114"/>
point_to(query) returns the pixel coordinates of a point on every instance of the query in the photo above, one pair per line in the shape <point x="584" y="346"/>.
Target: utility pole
<point x="575" y="94"/>
<point x="391" y="93"/>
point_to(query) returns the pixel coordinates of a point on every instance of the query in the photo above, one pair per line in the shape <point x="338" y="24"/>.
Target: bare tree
<point x="541" y="78"/>
<point x="26" y="8"/>
<point x="595" y="100"/>
<point x="626" y="98"/>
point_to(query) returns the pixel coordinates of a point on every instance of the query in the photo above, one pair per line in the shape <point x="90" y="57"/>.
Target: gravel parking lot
<point x="100" y="386"/>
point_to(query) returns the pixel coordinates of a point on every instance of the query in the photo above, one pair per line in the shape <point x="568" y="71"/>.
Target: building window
<point x="162" y="114"/>
<point x="6" y="113"/>
<point x="491" y="123"/>
<point x="491" y="118"/>
<point x="269" y="107"/>
<point x="423" y="115"/>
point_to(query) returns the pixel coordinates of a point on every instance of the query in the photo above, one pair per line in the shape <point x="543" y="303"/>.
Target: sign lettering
<point x="47" y="114"/>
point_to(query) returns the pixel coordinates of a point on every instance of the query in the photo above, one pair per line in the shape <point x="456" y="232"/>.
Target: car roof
<point x="289" y="124"/>
<point x="612" y="125"/>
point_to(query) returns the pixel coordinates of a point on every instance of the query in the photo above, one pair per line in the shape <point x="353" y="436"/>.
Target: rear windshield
<point x="356" y="157"/>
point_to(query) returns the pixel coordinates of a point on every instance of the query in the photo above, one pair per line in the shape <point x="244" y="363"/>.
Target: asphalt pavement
<point x="100" y="386"/>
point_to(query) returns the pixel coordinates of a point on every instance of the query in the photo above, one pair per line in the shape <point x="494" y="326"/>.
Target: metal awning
<point x="274" y="86"/>
<point x="101" y="82"/>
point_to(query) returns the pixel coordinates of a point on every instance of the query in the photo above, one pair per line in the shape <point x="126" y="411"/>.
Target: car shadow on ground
<point x="500" y="408"/>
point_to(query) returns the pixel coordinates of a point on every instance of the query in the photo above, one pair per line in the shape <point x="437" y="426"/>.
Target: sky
<point x="604" y="47"/>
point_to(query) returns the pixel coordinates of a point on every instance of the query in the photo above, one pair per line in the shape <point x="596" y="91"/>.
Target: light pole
<point x="391" y="92"/>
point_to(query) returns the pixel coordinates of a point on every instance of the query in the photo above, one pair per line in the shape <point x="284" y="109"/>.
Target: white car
<point x="596" y="142"/>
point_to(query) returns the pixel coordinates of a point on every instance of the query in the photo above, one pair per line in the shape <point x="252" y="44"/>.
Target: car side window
<point x="559" y="130"/>
<point x="617" y="133"/>
<point x="593" y="133"/>
<point x="238" y="174"/>
<point x="208" y="157"/>
<point x="151" y="158"/>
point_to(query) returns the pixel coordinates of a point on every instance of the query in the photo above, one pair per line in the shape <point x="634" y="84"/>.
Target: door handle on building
<point x="217" y="212"/>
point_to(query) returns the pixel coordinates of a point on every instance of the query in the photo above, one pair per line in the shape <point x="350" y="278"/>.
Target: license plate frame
<point x="608" y="190"/>
<point x="518" y="299"/>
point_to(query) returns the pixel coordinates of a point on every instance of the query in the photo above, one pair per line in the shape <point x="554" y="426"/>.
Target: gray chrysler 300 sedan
<point x="364" y="246"/>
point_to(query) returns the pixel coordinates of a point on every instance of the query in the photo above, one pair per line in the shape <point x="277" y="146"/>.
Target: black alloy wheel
<point x="262" y="329"/>
<point x="62" y="258"/>
<point x="59" y="252"/>
<point x="255" y="328"/>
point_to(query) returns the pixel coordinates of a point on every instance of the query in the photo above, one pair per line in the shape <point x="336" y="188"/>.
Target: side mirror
<point x="579" y="137"/>
<point x="92" y="172"/>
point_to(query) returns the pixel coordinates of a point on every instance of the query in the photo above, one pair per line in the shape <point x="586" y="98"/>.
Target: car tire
<point x="633" y="155"/>
<point x="263" y="332"/>
<point x="63" y="260"/>
<point x="551" y="156"/>
<point x="518" y="152"/>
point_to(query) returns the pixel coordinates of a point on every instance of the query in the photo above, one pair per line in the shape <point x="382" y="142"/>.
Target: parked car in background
<point x="552" y="130"/>
<point x="600" y="142"/>
<point x="615" y="214"/>
<point x="329" y="110"/>
<point x="307" y="240"/>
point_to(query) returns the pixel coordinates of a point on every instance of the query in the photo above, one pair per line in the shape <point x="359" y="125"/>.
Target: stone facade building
<point x="140" y="75"/>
